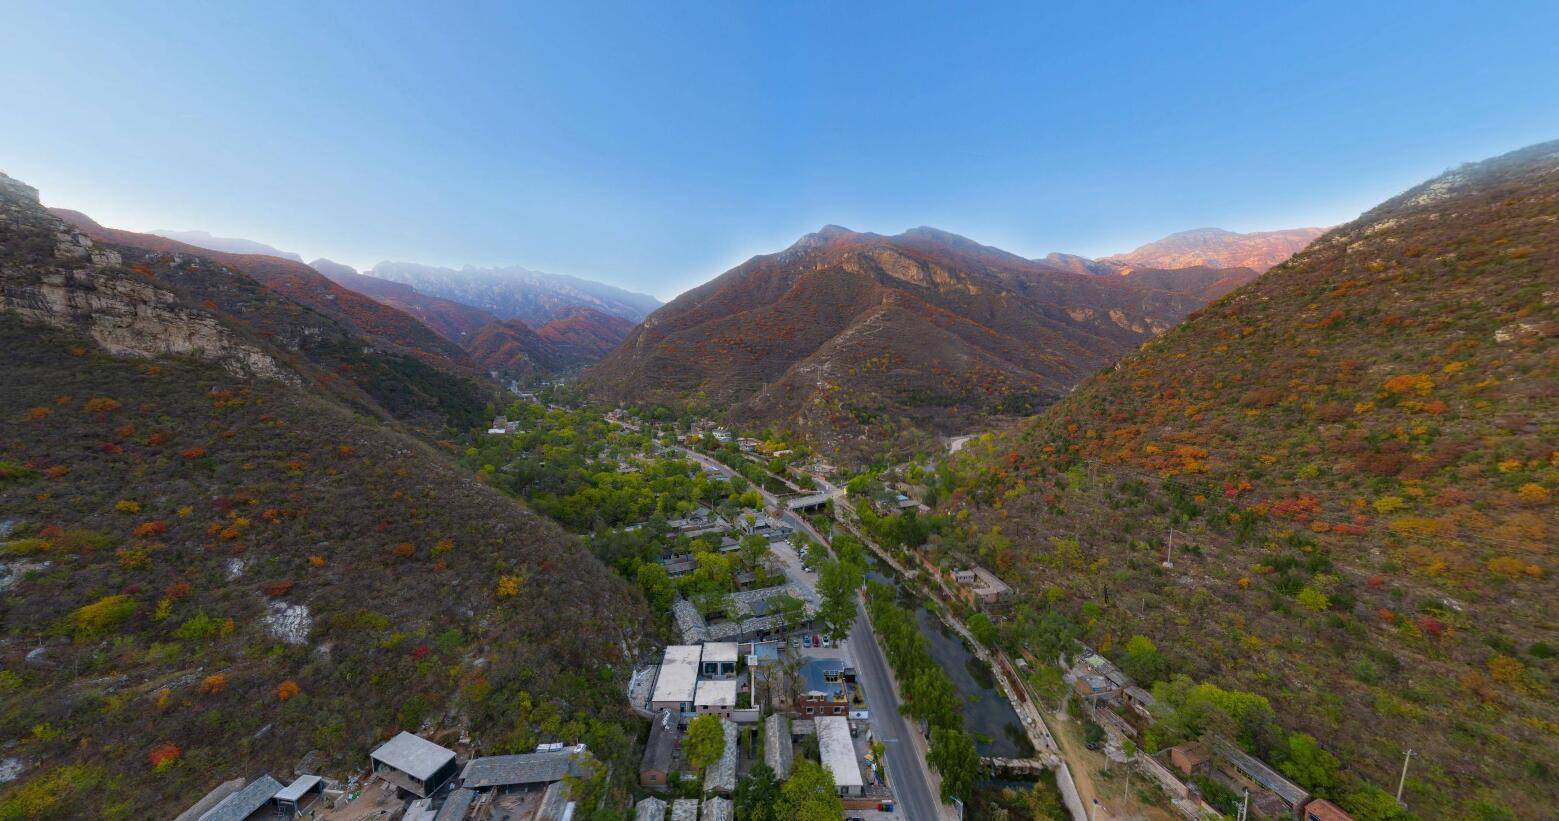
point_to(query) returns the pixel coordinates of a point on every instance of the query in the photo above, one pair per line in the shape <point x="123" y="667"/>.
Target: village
<point x="781" y="688"/>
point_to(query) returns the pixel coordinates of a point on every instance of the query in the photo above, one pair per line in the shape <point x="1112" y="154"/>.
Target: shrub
<point x="164" y="756"/>
<point x="96" y="618"/>
<point x="287" y="689"/>
<point x="213" y="684"/>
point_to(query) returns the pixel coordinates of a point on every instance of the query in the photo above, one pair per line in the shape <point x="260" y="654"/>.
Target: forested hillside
<point x="1355" y="456"/>
<point x="215" y="559"/>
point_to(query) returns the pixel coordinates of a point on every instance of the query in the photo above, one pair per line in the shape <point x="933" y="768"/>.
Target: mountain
<point x="213" y="563"/>
<point x="518" y="293"/>
<point x="585" y="335"/>
<point x="1217" y="248"/>
<point x="578" y="336"/>
<point x="1356" y="453"/>
<point x="848" y="336"/>
<point x="360" y="314"/>
<point x="371" y="355"/>
<point x="231" y="245"/>
<point x="452" y="320"/>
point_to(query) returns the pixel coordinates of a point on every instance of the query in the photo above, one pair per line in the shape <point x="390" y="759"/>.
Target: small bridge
<point x="1017" y="766"/>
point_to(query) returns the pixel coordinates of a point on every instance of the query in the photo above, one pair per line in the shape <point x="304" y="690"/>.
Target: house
<point x="1190" y="759"/>
<point x="1139" y="699"/>
<point x="716" y="697"/>
<point x="718" y="809"/>
<point x="981" y="587"/>
<point x="413" y="764"/>
<point x="825" y="688"/>
<point x="691" y="624"/>
<point x="680" y="565"/>
<point x="719" y="659"/>
<point x="1322" y="810"/>
<point x="650" y="809"/>
<point x="777" y="750"/>
<point x="252" y="801"/>
<point x="837" y="750"/>
<point x="660" y="754"/>
<point x="300" y="796"/>
<point x="1292" y="795"/>
<point x="1093" y="687"/>
<point x="500" y="426"/>
<point x="678" y="678"/>
<point x="684" y="809"/>
<point x="720" y="777"/>
<point x="506" y="773"/>
<point x="457" y="805"/>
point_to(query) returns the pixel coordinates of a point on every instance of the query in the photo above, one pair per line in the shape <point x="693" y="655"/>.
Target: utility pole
<point x="1169" y="558"/>
<point x="1245" y="806"/>
<point x="1403" y="780"/>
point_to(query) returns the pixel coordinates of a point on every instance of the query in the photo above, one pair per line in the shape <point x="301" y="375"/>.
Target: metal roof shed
<point x="305" y="790"/>
<point x="414" y="764"/>
<point x="246" y="802"/>
<point x="837" y="750"/>
<point x="527" y="769"/>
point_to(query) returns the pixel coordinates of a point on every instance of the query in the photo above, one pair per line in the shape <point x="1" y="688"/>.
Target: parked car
<point x="795" y="641"/>
<point x="817" y="641"/>
<point x="828" y="642"/>
<point x="806" y="641"/>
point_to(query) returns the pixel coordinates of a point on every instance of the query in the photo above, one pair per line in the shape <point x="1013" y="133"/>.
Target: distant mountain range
<point x="513" y="292"/>
<point x="852" y="336"/>
<point x="540" y="324"/>
<point x="232" y="245"/>
<point x="576" y="336"/>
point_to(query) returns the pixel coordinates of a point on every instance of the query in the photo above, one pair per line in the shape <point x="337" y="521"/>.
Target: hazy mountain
<point x="232" y="245"/>
<point x="852" y="336"/>
<point x="452" y="320"/>
<point x="1217" y="248"/>
<point x="1356" y="452"/>
<point x="518" y="293"/>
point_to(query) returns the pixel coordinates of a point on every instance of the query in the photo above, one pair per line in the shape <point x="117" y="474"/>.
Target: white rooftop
<point x="837" y="750"/>
<point x="716" y="693"/>
<point x="678" y="674"/>
<point x="720" y="651"/>
<point x="413" y="755"/>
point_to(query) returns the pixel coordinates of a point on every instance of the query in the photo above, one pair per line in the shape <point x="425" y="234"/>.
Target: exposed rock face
<point x="79" y="285"/>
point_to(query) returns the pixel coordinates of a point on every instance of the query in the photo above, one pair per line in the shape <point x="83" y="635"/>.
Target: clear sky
<point x="653" y="145"/>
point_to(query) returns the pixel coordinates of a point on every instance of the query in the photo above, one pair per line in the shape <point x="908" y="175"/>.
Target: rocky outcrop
<point x="51" y="273"/>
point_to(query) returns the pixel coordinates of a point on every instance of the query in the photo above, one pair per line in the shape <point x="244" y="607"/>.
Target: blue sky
<point x="655" y="145"/>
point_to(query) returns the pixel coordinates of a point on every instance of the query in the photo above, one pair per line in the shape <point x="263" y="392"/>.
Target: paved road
<point x="906" y="770"/>
<point x="908" y="773"/>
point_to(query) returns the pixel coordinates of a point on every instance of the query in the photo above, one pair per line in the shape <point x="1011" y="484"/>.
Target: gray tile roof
<point x="456" y="805"/>
<point x="660" y="754"/>
<point x="650" y="809"/>
<point x="777" y="750"/>
<point x="527" y="768"/>
<point x="721" y="775"/>
<point x="717" y="809"/>
<point x="241" y="804"/>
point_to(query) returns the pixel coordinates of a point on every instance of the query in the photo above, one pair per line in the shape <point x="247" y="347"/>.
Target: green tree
<point x="753" y="549"/>
<point x="810" y="795"/>
<point x="705" y="741"/>
<point x="953" y="755"/>
<point x="757" y="796"/>
<point x="1374" y="804"/>
<point x="1143" y="661"/>
<point x="836" y="585"/>
<point x="1314" y="768"/>
<point x="657" y="586"/>
<point x="983" y="629"/>
<point x="790" y="610"/>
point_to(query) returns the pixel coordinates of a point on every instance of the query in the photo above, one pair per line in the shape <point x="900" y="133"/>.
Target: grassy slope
<point x="406" y="628"/>
<point x="1374" y="421"/>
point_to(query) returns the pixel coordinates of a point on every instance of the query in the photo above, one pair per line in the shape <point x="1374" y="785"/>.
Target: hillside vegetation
<point x="1357" y="455"/>
<point x="214" y="559"/>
